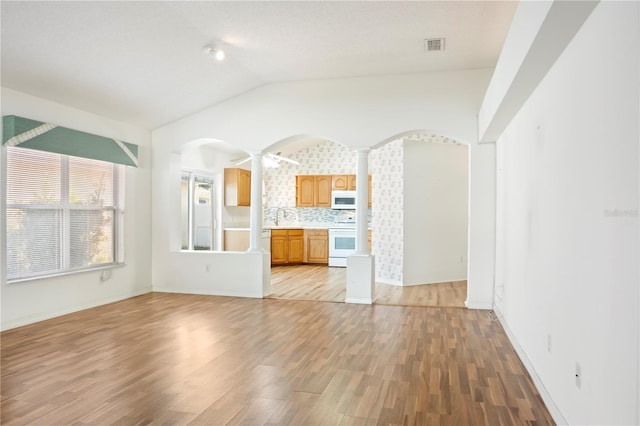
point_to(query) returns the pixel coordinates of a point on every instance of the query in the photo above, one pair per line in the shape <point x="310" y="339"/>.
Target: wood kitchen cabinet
<point x="323" y="191"/>
<point x="305" y="191"/>
<point x="343" y="182"/>
<point x="237" y="187"/>
<point x="287" y="246"/>
<point x="313" y="191"/>
<point x="340" y="182"/>
<point x="351" y="182"/>
<point x="316" y="246"/>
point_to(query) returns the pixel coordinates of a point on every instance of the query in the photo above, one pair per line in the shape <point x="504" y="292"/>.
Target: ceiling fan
<point x="270" y="160"/>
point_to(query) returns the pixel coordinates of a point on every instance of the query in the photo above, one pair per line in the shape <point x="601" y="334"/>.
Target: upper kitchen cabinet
<point x="323" y="191"/>
<point x="343" y="182"/>
<point x="305" y="191"/>
<point x="313" y="191"/>
<point x="351" y="182"/>
<point x="340" y="182"/>
<point x="348" y="183"/>
<point x="237" y="187"/>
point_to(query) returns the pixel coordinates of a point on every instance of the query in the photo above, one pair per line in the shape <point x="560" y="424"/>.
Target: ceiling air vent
<point x="434" y="44"/>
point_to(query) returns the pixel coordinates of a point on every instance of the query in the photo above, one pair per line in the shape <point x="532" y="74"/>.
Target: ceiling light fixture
<point x="270" y="160"/>
<point x="215" y="51"/>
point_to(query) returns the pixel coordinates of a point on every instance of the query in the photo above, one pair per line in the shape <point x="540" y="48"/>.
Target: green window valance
<point x="27" y="133"/>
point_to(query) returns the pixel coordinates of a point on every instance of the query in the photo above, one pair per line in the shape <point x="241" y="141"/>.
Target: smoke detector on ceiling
<point x="434" y="44"/>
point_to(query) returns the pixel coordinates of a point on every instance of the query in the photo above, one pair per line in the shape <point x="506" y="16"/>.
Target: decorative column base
<point x="360" y="279"/>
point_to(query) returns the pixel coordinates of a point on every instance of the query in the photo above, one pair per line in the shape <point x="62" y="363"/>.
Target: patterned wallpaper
<point x="386" y="215"/>
<point x="386" y="165"/>
<point x="325" y="158"/>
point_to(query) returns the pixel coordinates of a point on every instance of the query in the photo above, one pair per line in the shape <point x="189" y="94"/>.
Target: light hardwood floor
<point x="204" y="360"/>
<point x="321" y="283"/>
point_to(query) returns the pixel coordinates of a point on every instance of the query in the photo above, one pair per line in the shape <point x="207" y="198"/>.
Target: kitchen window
<point x="197" y="210"/>
<point x="63" y="213"/>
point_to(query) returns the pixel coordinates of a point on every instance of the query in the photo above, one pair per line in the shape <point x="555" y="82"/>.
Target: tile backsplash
<point x="306" y="215"/>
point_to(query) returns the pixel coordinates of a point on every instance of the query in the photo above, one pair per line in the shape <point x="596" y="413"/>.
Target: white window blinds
<point x="62" y="213"/>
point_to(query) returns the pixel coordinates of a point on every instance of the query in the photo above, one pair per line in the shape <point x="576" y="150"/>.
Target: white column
<point x="256" y="202"/>
<point x="362" y="200"/>
<point x="361" y="265"/>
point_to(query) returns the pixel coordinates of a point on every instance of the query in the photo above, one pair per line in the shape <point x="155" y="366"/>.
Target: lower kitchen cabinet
<point x="287" y="246"/>
<point x="316" y="246"/>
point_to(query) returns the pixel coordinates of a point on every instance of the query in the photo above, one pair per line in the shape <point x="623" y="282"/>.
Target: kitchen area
<point x="308" y="217"/>
<point x="308" y="214"/>
<point x="418" y="222"/>
<point x="318" y="230"/>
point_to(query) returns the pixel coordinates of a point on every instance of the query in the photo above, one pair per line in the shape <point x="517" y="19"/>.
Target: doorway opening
<point x="413" y="233"/>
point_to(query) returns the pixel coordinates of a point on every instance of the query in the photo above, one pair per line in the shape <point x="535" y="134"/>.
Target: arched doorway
<point x="419" y="218"/>
<point x="302" y="227"/>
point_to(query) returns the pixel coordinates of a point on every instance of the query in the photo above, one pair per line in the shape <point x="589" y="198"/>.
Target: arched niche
<point x="203" y="214"/>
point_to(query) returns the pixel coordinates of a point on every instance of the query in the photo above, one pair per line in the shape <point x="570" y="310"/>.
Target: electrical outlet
<point x="578" y="375"/>
<point x="549" y="343"/>
<point x="208" y="267"/>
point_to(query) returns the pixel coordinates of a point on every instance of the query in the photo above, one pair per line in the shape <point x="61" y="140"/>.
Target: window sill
<point x="66" y="273"/>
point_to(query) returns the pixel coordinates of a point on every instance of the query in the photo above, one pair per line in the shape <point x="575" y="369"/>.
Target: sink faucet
<point x="278" y="214"/>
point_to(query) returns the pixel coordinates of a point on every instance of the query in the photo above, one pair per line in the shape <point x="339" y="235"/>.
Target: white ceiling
<point x="142" y="62"/>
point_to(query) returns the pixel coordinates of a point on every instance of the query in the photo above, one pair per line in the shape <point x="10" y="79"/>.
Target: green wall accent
<point x="66" y="141"/>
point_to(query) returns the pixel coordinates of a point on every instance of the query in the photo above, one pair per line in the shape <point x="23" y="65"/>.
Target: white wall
<point x="31" y="301"/>
<point x="482" y="220"/>
<point x="352" y="111"/>
<point x="435" y="212"/>
<point x="568" y="233"/>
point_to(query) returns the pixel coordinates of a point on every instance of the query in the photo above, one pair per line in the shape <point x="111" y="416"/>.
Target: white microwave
<point x="345" y="200"/>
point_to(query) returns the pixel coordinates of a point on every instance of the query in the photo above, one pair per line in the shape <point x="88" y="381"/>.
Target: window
<point x="197" y="212"/>
<point x="63" y="213"/>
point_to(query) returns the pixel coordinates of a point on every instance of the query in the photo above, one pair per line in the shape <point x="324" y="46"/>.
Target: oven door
<point x="342" y="243"/>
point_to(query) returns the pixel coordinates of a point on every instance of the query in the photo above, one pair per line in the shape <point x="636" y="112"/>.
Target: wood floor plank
<point x="203" y="360"/>
<point x="325" y="284"/>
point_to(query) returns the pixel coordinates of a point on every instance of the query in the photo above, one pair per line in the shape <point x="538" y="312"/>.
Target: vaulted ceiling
<point x="142" y="62"/>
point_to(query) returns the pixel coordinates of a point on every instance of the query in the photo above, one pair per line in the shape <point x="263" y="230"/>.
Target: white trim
<point x="390" y="282"/>
<point x="433" y="282"/>
<point x="537" y="381"/>
<point x="30" y="134"/>
<point x="478" y="305"/>
<point x="31" y="319"/>
<point x="127" y="151"/>
<point x="208" y="292"/>
<point x="358" y="300"/>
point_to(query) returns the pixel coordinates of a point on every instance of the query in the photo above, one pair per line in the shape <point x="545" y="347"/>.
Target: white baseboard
<point x="537" y="381"/>
<point x="209" y="292"/>
<point x="19" y="322"/>
<point x="478" y="305"/>
<point x="359" y="301"/>
<point x="390" y="282"/>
